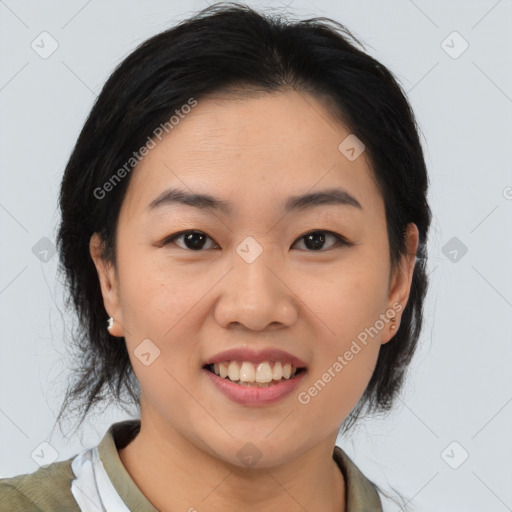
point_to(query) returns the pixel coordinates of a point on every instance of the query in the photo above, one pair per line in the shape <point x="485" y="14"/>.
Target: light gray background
<point x="460" y="384"/>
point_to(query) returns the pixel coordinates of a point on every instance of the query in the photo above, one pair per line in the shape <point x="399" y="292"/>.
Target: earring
<point x="393" y="327"/>
<point x="110" y="323"/>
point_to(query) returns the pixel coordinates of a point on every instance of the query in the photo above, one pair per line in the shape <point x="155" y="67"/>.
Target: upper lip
<point x="256" y="356"/>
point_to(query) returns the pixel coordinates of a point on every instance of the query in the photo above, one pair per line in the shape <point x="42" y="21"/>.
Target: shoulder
<point x="46" y="490"/>
<point x="12" y="499"/>
<point x="361" y="493"/>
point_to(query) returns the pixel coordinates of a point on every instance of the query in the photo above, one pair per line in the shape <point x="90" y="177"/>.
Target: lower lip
<point x="247" y="395"/>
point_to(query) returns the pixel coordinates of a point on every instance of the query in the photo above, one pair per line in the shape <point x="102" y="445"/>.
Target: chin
<point x="254" y="452"/>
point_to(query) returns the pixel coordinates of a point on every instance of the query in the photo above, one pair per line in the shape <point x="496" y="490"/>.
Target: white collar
<point x="92" y="488"/>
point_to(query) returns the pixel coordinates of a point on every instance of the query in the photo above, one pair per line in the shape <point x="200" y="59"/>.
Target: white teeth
<point x="247" y="373"/>
<point x="223" y="367"/>
<point x="233" y="371"/>
<point x="262" y="374"/>
<point x="277" y="372"/>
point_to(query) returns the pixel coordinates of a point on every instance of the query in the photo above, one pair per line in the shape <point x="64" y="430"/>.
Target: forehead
<point x="254" y="149"/>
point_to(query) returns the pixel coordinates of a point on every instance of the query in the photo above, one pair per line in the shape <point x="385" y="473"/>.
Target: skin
<point x="193" y="304"/>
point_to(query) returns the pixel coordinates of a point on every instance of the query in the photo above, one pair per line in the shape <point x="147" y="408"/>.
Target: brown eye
<point x="192" y="240"/>
<point x="315" y="240"/>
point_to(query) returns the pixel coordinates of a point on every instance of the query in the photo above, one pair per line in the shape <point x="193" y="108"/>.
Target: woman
<point x="244" y="228"/>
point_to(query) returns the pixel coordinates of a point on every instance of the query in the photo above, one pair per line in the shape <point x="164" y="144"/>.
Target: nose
<point x="256" y="295"/>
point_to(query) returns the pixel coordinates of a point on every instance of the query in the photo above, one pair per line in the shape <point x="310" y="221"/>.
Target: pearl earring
<point x="110" y="323"/>
<point x="393" y="327"/>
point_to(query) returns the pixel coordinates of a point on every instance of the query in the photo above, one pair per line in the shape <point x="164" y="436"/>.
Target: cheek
<point x="332" y="393"/>
<point x="349" y="306"/>
<point x="156" y="295"/>
<point x="350" y="298"/>
<point x="346" y="355"/>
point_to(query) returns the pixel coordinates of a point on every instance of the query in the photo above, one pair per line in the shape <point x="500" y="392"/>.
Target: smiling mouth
<point x="261" y="375"/>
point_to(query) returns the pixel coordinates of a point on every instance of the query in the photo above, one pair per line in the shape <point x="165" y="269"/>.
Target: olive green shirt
<point x="49" y="488"/>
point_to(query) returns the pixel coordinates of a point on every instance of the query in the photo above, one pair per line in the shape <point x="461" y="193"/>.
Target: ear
<point x="109" y="284"/>
<point x="400" y="286"/>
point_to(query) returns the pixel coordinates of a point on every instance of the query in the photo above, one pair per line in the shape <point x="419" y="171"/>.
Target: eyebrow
<point x="331" y="196"/>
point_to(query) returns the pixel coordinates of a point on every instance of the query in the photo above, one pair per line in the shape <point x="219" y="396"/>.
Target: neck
<point x="199" y="481"/>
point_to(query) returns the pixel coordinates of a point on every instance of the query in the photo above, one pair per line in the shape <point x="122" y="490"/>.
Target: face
<point x="261" y="274"/>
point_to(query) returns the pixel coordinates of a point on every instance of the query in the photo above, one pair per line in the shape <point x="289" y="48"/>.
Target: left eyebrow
<point x="331" y="196"/>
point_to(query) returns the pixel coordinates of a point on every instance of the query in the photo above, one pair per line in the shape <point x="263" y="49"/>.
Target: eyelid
<point x="169" y="239"/>
<point x="340" y="240"/>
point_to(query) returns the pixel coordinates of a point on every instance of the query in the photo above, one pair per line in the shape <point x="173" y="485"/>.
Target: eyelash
<point x="340" y="241"/>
